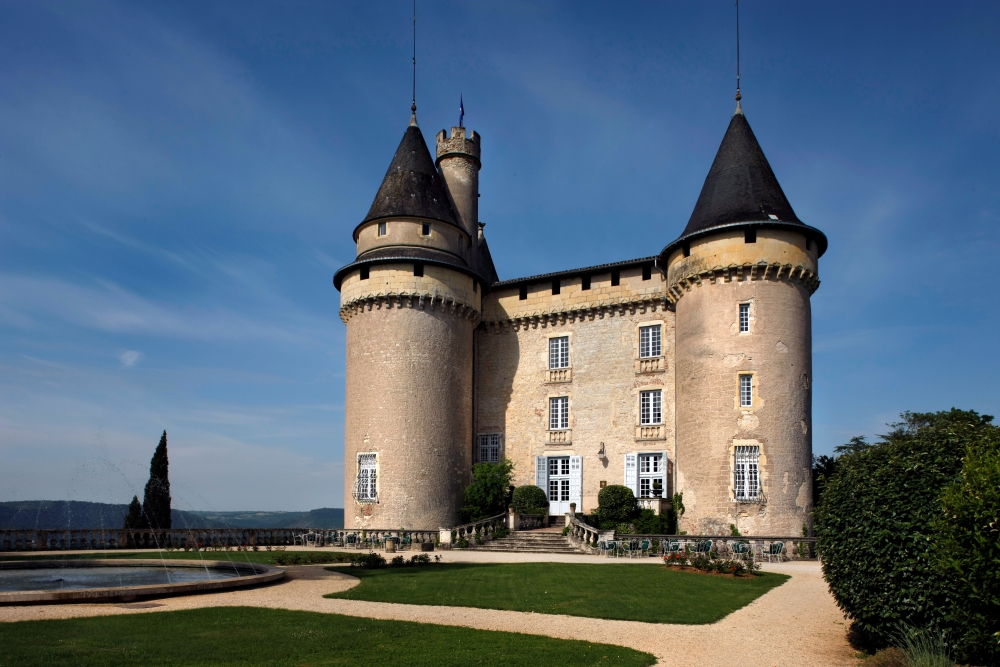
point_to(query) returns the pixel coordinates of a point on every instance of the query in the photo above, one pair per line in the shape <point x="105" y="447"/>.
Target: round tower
<point x="741" y="276"/>
<point x="410" y="300"/>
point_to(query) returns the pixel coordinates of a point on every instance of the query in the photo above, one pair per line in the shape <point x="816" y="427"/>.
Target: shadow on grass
<point x="649" y="593"/>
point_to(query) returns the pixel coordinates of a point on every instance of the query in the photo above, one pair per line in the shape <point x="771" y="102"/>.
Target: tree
<point x="875" y="525"/>
<point x="530" y="499"/>
<point x="156" y="501"/>
<point x="134" y="519"/>
<point x="616" y="504"/>
<point x="487" y="495"/>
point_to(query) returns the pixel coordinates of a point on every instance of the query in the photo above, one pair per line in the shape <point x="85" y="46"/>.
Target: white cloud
<point x="129" y="358"/>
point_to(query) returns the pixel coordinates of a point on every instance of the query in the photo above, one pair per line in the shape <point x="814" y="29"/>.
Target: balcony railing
<point x="650" y="365"/>
<point x="563" y="437"/>
<point x="555" y="375"/>
<point x="651" y="432"/>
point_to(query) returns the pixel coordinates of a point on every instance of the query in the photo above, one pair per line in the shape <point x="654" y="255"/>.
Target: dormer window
<point x="381" y="229"/>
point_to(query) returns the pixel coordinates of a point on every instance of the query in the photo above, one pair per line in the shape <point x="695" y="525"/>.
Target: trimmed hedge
<point x="616" y="503"/>
<point x="530" y="499"/>
<point x="878" y="524"/>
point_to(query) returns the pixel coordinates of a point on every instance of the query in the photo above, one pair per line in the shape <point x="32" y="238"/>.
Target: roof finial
<point x="413" y="105"/>
<point x="739" y="96"/>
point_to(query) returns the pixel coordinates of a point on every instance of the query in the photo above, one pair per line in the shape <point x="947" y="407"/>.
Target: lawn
<point x="266" y="557"/>
<point x="651" y="593"/>
<point x="222" y="636"/>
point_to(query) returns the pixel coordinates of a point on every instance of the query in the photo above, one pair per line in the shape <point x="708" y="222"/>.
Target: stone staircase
<point x="540" y="540"/>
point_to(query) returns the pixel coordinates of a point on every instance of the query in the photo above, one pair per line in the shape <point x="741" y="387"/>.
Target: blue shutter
<point x="542" y="474"/>
<point x="632" y="473"/>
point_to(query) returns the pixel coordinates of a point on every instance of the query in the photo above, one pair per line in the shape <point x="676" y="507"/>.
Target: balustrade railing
<point x="529" y="521"/>
<point x="725" y="546"/>
<point x="584" y="534"/>
<point x="201" y="538"/>
<point x="479" y="531"/>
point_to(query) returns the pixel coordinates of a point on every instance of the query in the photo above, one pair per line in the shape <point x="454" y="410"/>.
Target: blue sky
<point x="179" y="181"/>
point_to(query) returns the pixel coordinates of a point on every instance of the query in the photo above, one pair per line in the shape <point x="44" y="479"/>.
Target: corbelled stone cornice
<point x="420" y="300"/>
<point x="598" y="310"/>
<point x="739" y="272"/>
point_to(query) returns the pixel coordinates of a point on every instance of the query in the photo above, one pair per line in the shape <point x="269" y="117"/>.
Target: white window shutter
<point x="663" y="473"/>
<point x="576" y="481"/>
<point x="542" y="474"/>
<point x="631" y="473"/>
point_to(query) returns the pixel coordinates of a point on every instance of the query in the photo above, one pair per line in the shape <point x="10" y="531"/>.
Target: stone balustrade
<point x="650" y="365"/>
<point x="555" y="375"/>
<point x="651" y="432"/>
<point x="477" y="532"/>
<point x="562" y="437"/>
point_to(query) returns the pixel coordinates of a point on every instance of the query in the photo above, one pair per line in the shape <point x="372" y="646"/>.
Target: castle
<point x="685" y="371"/>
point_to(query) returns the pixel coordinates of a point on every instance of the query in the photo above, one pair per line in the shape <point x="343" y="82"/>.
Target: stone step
<point x="536" y="541"/>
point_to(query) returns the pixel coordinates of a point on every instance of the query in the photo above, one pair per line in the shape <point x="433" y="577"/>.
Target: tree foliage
<point x="878" y="523"/>
<point x="967" y="548"/>
<point x="486" y="496"/>
<point x="156" y="500"/>
<point x="134" y="518"/>
<point x="530" y="499"/>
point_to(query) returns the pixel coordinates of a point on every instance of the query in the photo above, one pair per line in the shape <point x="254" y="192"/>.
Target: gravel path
<point x="796" y="623"/>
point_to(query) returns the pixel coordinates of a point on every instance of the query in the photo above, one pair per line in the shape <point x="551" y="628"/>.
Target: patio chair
<point x="740" y="549"/>
<point x="775" y="551"/>
<point x="612" y="546"/>
<point x="703" y="548"/>
<point x="670" y="548"/>
<point x="644" y="548"/>
<point x="352" y="540"/>
<point x="407" y="542"/>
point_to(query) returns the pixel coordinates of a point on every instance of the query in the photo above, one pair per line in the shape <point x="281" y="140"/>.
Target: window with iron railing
<point x="746" y="473"/>
<point x="366" y="485"/>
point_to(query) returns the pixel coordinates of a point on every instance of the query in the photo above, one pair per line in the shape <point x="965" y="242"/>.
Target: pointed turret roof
<point x="742" y="190"/>
<point x="412" y="186"/>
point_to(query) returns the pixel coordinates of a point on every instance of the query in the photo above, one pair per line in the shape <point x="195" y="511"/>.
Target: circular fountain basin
<point x="120" y="580"/>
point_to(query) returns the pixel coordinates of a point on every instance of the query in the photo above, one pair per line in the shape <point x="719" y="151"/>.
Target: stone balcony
<point x="562" y="437"/>
<point x="650" y="365"/>
<point x="557" y="375"/>
<point x="651" y="432"/>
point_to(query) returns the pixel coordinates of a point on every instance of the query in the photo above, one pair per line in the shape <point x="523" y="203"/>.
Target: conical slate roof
<point x="740" y="186"/>
<point x="412" y="186"/>
<point x="741" y="189"/>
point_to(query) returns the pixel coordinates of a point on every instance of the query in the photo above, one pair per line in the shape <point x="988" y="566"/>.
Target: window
<point x="616" y="278"/>
<point x="381" y="229"/>
<point x="364" y="273"/>
<point x="489" y="448"/>
<point x="649" y="341"/>
<point x="746" y="391"/>
<point x="558" y="479"/>
<point x="559" y="414"/>
<point x="647" y="272"/>
<point x="559" y="352"/>
<point x="365" y="488"/>
<point x="687" y="249"/>
<point x="650" y="407"/>
<point x="746" y="473"/>
<point x="809" y="243"/>
<point x="555" y="286"/>
<point x="651" y="469"/>
<point x="425" y="229"/>
<point x="585" y="282"/>
<point x="750" y="235"/>
<point x="475" y="285"/>
<point x="744" y="318"/>
<point x="418" y="269"/>
<point x="522" y="294"/>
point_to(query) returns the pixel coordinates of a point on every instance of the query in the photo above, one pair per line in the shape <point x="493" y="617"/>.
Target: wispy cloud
<point x="129" y="358"/>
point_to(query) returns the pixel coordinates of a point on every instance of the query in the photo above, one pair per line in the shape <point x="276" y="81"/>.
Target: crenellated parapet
<point x="684" y="282"/>
<point x="426" y="301"/>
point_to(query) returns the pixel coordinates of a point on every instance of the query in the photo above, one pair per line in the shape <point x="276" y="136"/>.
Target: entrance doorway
<point x="560" y="477"/>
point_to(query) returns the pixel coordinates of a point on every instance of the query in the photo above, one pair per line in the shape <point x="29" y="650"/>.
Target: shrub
<point x="462" y="543"/>
<point x="874" y="523"/>
<point x="500" y="532"/>
<point x="968" y="549"/>
<point x="398" y="561"/>
<point x="888" y="657"/>
<point x="370" y="560"/>
<point x="616" y="503"/>
<point x="487" y="495"/>
<point x="530" y="499"/>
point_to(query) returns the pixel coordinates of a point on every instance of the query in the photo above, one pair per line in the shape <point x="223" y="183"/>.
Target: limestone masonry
<point x="685" y="372"/>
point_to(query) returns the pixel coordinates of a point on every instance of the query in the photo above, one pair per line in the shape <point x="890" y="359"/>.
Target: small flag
<point x="461" y="112"/>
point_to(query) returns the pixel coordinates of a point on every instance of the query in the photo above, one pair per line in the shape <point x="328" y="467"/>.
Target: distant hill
<point x="67" y="514"/>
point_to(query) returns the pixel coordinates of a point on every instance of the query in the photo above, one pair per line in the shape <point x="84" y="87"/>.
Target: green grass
<point x="651" y="593"/>
<point x="266" y="557"/>
<point x="222" y="636"/>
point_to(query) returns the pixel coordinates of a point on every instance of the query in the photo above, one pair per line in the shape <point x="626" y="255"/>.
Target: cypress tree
<point x="156" y="502"/>
<point x="134" y="519"/>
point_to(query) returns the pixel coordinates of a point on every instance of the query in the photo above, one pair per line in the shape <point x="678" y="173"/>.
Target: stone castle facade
<point x="685" y="371"/>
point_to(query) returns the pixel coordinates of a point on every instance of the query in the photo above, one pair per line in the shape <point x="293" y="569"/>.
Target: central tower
<point x="411" y="300"/>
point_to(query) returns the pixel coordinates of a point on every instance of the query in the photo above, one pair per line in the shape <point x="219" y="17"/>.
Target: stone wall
<point x="513" y="386"/>
<point x="712" y="353"/>
<point x="409" y="393"/>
